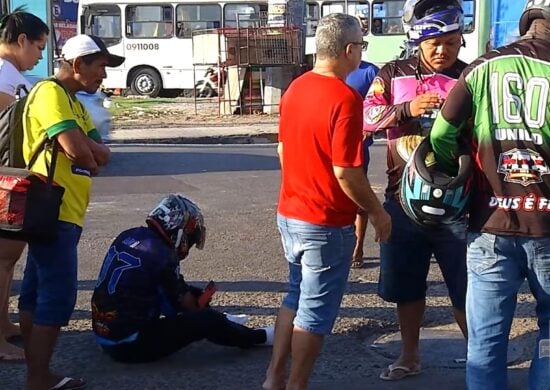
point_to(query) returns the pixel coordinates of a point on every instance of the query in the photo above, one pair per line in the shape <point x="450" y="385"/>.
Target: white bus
<point x="155" y="36"/>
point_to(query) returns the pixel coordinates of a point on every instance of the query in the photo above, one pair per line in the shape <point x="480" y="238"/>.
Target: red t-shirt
<point x="320" y="127"/>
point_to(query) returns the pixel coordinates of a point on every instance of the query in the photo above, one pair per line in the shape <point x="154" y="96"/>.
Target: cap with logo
<point x="83" y="45"/>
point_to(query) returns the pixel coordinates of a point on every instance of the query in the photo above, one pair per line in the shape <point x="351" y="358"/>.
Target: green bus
<point x="382" y="27"/>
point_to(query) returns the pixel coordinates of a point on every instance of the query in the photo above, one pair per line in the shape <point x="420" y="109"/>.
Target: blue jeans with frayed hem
<point x="497" y="267"/>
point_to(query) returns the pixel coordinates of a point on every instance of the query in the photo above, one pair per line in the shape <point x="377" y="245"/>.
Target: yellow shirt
<point x="49" y="111"/>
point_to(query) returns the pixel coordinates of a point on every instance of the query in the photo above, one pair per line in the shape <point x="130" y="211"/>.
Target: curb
<point x="264" y="138"/>
<point x="191" y="125"/>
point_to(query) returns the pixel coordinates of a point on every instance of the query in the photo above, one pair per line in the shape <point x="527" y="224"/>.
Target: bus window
<point x="332" y="8"/>
<point x="312" y="18"/>
<point x="386" y="17"/>
<point x="197" y="17"/>
<point x="103" y="21"/>
<point x="149" y="21"/>
<point x="243" y="15"/>
<point x="359" y="9"/>
<point x="469" y="12"/>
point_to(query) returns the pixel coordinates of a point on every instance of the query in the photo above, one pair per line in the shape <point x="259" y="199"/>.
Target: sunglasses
<point x="363" y="44"/>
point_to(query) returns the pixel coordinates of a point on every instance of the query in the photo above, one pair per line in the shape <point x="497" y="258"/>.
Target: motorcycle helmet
<point x="534" y="9"/>
<point x="425" y="19"/>
<point x="429" y="196"/>
<point x="180" y="223"/>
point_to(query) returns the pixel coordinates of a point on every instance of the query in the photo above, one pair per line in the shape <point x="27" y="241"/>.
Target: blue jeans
<point x="49" y="286"/>
<point x="497" y="267"/>
<point x="319" y="261"/>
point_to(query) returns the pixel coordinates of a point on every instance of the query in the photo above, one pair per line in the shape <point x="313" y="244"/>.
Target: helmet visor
<point x="201" y="233"/>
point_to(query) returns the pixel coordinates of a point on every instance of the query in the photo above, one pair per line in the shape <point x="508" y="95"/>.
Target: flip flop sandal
<point x="64" y="384"/>
<point x="396" y="373"/>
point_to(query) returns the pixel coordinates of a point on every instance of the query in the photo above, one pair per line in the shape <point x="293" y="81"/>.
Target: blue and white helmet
<point x="425" y="19"/>
<point x="431" y="197"/>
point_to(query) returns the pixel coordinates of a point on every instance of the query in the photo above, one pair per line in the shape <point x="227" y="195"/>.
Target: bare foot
<point x="10" y="352"/>
<point x="357" y="257"/>
<point x="10" y="330"/>
<point x="273" y="383"/>
<point x="269" y="385"/>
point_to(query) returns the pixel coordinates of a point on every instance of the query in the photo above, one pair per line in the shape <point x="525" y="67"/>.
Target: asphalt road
<point x="237" y="188"/>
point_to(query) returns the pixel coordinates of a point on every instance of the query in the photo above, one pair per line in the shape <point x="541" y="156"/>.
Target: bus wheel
<point x="146" y="82"/>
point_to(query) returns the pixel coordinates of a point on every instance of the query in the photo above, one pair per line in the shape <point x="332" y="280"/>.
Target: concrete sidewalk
<point x="227" y="133"/>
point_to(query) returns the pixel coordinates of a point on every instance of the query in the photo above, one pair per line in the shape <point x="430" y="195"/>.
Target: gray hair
<point x="334" y="32"/>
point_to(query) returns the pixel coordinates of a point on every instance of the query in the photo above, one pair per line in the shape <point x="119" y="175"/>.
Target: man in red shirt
<point x="320" y="149"/>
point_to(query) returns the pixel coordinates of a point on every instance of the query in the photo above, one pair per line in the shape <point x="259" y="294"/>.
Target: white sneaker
<point x="269" y="335"/>
<point x="241" y="319"/>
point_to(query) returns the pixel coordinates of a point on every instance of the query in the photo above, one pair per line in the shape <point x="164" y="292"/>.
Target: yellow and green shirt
<point x="49" y="111"/>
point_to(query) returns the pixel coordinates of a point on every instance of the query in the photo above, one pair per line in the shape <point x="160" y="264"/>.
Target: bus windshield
<point x="103" y="21"/>
<point x="386" y="17"/>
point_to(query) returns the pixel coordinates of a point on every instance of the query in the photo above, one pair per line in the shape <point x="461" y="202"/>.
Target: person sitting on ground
<point x="142" y="309"/>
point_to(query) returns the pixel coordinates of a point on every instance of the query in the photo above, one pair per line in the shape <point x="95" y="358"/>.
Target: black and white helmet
<point x="180" y="222"/>
<point x="430" y="196"/>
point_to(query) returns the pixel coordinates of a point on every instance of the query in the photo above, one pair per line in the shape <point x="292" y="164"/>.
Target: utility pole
<point x="291" y="14"/>
<point x="4" y="7"/>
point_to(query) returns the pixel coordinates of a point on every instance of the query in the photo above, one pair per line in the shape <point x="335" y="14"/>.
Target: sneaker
<point x="269" y="335"/>
<point x="241" y="319"/>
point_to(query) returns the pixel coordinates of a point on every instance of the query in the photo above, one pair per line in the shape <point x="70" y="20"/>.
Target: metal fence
<point x="259" y="46"/>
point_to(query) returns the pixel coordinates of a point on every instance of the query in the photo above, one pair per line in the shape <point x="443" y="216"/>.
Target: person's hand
<point x="188" y="301"/>
<point x="425" y="103"/>
<point x="381" y="222"/>
<point x="195" y="291"/>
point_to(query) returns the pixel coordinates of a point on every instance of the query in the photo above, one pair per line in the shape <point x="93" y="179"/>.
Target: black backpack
<point x="11" y="131"/>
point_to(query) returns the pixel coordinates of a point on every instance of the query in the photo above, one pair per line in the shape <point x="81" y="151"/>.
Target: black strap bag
<point x="29" y="201"/>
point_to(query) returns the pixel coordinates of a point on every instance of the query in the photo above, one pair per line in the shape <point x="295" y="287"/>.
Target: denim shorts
<point x="405" y="258"/>
<point x="49" y="284"/>
<point x="319" y="261"/>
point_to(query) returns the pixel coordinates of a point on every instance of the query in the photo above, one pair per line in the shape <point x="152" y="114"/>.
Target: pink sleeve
<point x="379" y="112"/>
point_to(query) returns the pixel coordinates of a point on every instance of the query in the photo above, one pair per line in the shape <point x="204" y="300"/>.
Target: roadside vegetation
<point x="181" y="111"/>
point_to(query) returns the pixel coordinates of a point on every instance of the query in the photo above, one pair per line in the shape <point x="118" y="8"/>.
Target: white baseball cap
<point x="83" y="45"/>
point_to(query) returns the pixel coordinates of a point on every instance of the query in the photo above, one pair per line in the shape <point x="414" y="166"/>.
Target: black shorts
<point x="405" y="259"/>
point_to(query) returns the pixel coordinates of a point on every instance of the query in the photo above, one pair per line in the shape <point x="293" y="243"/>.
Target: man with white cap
<point x="52" y="113"/>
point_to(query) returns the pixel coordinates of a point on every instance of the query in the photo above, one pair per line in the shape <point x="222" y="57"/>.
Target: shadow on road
<point x="180" y="161"/>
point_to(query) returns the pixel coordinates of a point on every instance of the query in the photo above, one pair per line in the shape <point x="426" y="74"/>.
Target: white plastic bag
<point x="95" y="103"/>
